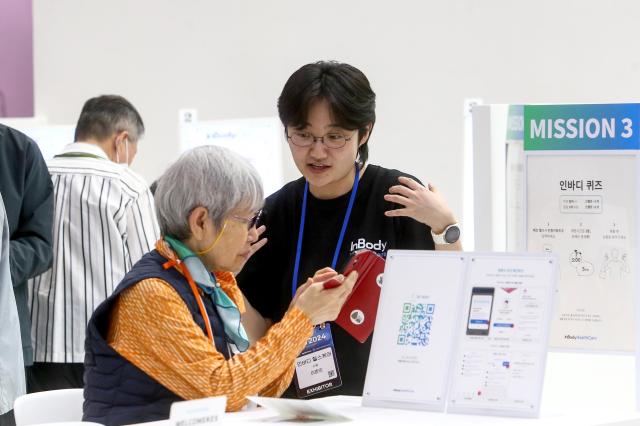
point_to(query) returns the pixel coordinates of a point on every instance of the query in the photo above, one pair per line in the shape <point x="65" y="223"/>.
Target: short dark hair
<point x="105" y="115"/>
<point x="344" y="87"/>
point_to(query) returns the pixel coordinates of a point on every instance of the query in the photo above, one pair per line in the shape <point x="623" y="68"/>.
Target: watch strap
<point x="439" y="238"/>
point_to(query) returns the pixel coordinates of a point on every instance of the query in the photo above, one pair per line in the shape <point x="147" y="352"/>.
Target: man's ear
<point x="120" y="137"/>
<point x="118" y="144"/>
<point x="364" y="138"/>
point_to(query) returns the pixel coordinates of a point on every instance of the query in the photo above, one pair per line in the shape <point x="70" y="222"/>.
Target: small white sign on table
<point x="201" y="412"/>
<point x="299" y="409"/>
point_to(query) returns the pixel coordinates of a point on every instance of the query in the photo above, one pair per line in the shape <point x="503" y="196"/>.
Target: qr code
<point x="415" y="328"/>
<point x="331" y="373"/>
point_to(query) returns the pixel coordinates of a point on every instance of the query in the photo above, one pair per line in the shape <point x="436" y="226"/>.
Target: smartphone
<point x="332" y="283"/>
<point x="480" y="308"/>
<point x="358" y="314"/>
<point x="360" y="262"/>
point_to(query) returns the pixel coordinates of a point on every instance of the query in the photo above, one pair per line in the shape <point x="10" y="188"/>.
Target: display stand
<point x="581" y="171"/>
<point x="478" y="321"/>
<point x="501" y="348"/>
<point x="413" y="341"/>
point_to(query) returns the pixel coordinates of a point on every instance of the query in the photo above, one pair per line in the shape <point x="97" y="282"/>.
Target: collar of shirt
<point x="84" y="148"/>
<point x="225" y="278"/>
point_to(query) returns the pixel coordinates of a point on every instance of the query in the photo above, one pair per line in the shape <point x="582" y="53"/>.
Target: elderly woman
<point x="174" y="328"/>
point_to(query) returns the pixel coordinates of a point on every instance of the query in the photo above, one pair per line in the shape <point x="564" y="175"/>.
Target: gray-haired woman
<point x="175" y="326"/>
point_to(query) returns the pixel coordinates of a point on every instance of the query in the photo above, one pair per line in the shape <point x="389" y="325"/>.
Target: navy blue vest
<point x="116" y="392"/>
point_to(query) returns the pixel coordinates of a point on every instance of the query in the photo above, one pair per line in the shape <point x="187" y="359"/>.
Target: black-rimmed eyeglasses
<point x="333" y="140"/>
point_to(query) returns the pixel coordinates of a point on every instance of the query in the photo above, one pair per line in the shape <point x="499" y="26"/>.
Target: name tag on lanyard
<point x="317" y="365"/>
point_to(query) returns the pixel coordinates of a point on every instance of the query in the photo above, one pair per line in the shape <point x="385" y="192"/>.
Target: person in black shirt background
<point x="328" y="111"/>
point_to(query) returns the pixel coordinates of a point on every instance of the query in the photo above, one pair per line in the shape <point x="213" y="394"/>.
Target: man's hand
<point x="424" y="204"/>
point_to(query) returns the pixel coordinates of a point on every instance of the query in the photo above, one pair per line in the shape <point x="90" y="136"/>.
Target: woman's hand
<point x="424" y="204"/>
<point x="320" y="304"/>
<point x="321" y="275"/>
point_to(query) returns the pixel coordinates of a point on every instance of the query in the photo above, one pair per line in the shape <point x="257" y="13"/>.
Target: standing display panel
<point x="502" y="344"/>
<point x="413" y="340"/>
<point x="581" y="167"/>
<point x="259" y="140"/>
<point x="471" y="329"/>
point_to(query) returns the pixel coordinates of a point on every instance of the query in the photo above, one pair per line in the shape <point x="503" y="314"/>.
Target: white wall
<point x="229" y="59"/>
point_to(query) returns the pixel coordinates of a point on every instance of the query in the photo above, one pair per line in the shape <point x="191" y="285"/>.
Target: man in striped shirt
<point x="104" y="221"/>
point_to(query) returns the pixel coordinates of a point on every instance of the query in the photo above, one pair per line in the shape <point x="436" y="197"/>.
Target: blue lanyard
<point x="352" y="199"/>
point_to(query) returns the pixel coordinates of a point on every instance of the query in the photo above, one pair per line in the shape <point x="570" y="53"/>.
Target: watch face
<point x="452" y="235"/>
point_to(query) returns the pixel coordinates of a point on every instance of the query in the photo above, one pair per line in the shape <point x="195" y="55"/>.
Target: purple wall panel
<point x="16" y="58"/>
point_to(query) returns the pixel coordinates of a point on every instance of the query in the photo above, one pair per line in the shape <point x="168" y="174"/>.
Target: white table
<point x="580" y="389"/>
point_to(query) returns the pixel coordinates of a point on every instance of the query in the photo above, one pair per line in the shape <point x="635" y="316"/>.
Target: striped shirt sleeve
<point x="152" y="328"/>
<point x="142" y="226"/>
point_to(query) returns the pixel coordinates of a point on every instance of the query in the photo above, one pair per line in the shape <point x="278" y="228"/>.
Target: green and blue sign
<point x="582" y="127"/>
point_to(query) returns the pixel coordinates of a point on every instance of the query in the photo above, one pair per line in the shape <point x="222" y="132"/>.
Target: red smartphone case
<point x="358" y="315"/>
<point x="332" y="283"/>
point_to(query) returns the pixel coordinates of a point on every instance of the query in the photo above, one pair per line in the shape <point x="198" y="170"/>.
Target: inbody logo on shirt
<point x="361" y="244"/>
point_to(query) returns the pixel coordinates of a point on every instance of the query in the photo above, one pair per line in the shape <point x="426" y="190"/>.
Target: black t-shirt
<point x="266" y="279"/>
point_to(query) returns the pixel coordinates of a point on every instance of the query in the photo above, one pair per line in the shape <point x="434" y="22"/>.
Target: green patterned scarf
<point x="226" y="308"/>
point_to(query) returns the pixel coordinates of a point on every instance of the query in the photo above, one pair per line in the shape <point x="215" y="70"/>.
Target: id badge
<point x="317" y="365"/>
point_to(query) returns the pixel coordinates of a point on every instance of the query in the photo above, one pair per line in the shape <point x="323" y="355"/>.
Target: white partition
<point x="49" y="138"/>
<point x="260" y="140"/>
<point x="489" y="180"/>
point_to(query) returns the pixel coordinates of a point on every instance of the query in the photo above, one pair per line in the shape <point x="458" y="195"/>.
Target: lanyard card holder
<point x="317" y="365"/>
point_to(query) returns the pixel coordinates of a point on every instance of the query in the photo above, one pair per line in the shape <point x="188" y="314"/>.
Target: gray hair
<point x="103" y="116"/>
<point x="209" y="176"/>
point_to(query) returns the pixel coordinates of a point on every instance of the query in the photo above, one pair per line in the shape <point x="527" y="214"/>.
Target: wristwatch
<point x="450" y="235"/>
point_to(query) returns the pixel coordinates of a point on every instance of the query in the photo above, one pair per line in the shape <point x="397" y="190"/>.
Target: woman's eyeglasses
<point x="251" y="222"/>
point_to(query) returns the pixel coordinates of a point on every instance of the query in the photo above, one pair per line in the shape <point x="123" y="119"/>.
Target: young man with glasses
<point x="340" y="205"/>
